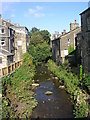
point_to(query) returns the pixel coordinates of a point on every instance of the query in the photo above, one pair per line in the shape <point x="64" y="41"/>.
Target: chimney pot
<point x="75" y="21"/>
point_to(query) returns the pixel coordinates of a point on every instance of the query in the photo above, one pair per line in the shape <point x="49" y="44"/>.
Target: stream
<point x="56" y="105"/>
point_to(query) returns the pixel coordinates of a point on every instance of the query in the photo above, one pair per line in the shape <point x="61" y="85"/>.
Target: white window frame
<point x="65" y="52"/>
<point x="68" y="40"/>
<point x="19" y="43"/>
<point x="4" y="23"/>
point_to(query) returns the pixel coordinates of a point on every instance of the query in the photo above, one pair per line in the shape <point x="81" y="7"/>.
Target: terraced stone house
<point x="60" y="45"/>
<point x="14" y="41"/>
<point x="84" y="40"/>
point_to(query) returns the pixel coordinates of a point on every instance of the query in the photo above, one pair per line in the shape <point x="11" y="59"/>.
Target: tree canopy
<point x="39" y="47"/>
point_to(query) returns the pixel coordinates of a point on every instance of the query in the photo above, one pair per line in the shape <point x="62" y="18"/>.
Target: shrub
<point x="71" y="83"/>
<point x="19" y="84"/>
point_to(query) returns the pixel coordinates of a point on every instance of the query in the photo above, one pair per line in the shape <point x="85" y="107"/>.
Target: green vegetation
<point x="70" y="49"/>
<point x="81" y="73"/>
<point x="71" y="83"/>
<point x="17" y="89"/>
<point x="0" y="100"/>
<point x="18" y="100"/>
<point x="44" y="33"/>
<point x="39" y="47"/>
<point x="86" y="81"/>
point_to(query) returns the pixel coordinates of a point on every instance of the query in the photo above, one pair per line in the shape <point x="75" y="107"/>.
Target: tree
<point x="36" y="38"/>
<point x="39" y="47"/>
<point x="40" y="52"/>
<point x="34" y="29"/>
<point x="46" y="35"/>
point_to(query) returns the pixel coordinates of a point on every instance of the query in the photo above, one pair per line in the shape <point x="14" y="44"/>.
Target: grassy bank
<point x="0" y="100"/>
<point x="71" y="83"/>
<point x="18" y="100"/>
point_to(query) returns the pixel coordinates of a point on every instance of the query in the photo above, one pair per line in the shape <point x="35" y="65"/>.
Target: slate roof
<point x="85" y="11"/>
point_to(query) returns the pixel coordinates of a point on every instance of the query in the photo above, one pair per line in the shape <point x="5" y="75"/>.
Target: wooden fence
<point x="10" y="69"/>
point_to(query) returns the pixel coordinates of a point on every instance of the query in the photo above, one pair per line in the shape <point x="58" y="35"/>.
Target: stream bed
<point x="55" y="105"/>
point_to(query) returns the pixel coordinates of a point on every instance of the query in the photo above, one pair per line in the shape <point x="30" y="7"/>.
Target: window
<point x="68" y="41"/>
<point x="0" y="59"/>
<point x="2" y="31"/>
<point x="12" y="32"/>
<point x="88" y="23"/>
<point x="2" y="42"/>
<point x="4" y="23"/>
<point x="19" y="43"/>
<point x="65" y="52"/>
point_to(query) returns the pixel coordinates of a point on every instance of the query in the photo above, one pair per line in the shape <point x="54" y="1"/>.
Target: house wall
<point x="61" y="45"/>
<point x="64" y="44"/>
<point x="18" y="46"/>
<point x="56" y="50"/>
<point x="21" y="42"/>
<point x="4" y="36"/>
<point x="4" y="61"/>
<point x="85" y="40"/>
<point x="16" y="41"/>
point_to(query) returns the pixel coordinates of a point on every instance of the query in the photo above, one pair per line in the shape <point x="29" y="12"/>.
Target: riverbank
<point x="71" y="84"/>
<point x="17" y="95"/>
<point x="53" y="101"/>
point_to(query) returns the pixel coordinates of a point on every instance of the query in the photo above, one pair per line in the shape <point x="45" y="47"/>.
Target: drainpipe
<point x="60" y="52"/>
<point x="74" y="41"/>
<point x="9" y="41"/>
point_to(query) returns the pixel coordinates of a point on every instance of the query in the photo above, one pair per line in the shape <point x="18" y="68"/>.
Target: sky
<point x="51" y="16"/>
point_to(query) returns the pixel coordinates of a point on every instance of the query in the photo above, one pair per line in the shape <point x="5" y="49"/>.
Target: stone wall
<point x="56" y="50"/>
<point x="85" y="40"/>
<point x="67" y="40"/>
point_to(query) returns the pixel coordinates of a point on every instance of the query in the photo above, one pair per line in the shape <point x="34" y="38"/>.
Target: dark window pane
<point x="0" y="59"/>
<point x="2" y="30"/>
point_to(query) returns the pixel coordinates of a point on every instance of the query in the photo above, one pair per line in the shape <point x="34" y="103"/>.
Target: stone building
<point x="21" y="41"/>
<point x="14" y="42"/>
<point x="56" y="50"/>
<point x="84" y="40"/>
<point x="6" y="43"/>
<point x="65" y="41"/>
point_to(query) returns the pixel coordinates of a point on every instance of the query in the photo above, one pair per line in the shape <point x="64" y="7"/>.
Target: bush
<point x="86" y="81"/>
<point x="81" y="109"/>
<point x="70" y="49"/>
<point x="40" y="52"/>
<point x="19" y="84"/>
<point x="71" y="83"/>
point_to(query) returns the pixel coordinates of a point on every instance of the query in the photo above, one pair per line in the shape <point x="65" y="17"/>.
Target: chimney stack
<point x="74" y="25"/>
<point x="8" y="20"/>
<point x="64" y="31"/>
<point x="75" y="21"/>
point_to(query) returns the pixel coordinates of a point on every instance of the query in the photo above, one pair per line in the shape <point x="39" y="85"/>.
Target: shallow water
<point x="56" y="105"/>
